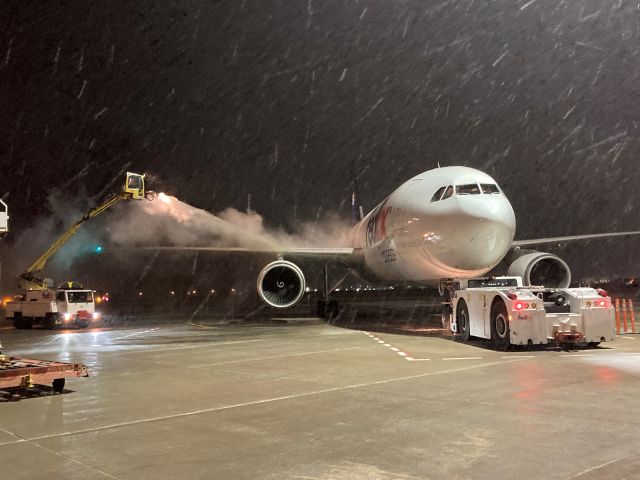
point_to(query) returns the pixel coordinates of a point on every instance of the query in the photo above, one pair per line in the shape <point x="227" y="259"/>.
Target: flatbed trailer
<point x="18" y="372"/>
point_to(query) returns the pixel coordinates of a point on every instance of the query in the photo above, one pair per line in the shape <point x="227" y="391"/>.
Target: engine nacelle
<point x="281" y="284"/>
<point x="540" y="268"/>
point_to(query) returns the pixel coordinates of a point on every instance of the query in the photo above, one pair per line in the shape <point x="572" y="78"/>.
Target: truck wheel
<point x="58" y="385"/>
<point x="25" y="323"/>
<point x="50" y="321"/>
<point x="462" y="320"/>
<point x="500" y="333"/>
<point x="17" y="320"/>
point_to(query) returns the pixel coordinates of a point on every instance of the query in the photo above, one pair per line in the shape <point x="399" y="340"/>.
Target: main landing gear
<point x="327" y="307"/>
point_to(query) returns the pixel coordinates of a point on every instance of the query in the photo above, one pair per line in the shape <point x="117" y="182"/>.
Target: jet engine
<point x="540" y="268"/>
<point x="281" y="284"/>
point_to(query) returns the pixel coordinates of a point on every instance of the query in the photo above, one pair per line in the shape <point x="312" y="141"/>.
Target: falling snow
<point x="216" y="101"/>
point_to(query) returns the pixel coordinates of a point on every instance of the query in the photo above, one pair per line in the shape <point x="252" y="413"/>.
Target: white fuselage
<point x="464" y="232"/>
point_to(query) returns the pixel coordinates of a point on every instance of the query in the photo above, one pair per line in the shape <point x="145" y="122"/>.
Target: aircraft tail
<point x="356" y="207"/>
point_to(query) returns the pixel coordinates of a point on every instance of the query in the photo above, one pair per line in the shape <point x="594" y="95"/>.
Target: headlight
<point x="95" y="315"/>
<point x="67" y="317"/>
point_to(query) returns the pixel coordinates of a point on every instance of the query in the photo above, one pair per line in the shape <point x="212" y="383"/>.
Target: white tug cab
<point x="503" y="310"/>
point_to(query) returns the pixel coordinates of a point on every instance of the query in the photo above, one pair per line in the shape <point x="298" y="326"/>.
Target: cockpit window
<point x="438" y="194"/>
<point x="448" y="191"/>
<point x="470" y="189"/>
<point x="489" y="188"/>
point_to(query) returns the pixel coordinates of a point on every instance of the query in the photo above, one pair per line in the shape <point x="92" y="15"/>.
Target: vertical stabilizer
<point x="356" y="206"/>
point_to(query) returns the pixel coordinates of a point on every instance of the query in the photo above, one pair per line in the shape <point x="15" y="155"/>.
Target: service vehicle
<point x="68" y="305"/>
<point x="25" y="373"/>
<point x="503" y="310"/>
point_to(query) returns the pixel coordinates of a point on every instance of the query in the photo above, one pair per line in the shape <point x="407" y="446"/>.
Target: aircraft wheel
<point x="462" y="320"/>
<point x="321" y="309"/>
<point x="332" y="309"/>
<point x="500" y="333"/>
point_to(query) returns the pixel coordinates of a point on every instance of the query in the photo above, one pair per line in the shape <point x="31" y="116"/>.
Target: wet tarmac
<point x="305" y="400"/>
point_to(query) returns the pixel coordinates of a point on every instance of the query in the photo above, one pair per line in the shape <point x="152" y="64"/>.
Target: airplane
<point x="445" y="223"/>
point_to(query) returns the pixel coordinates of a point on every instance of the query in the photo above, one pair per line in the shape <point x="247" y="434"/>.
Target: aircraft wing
<point x="345" y="254"/>
<point x="308" y="251"/>
<point x="572" y="238"/>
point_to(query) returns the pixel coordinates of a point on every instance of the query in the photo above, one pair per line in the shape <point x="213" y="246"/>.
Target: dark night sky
<point x="219" y="99"/>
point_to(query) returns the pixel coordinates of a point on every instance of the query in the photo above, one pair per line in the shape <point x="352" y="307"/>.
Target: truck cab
<point x="75" y="306"/>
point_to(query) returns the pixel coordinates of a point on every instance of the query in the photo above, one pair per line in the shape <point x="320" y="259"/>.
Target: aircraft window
<point x="469" y="189"/>
<point x="438" y="194"/>
<point x="489" y="188"/>
<point x="448" y="192"/>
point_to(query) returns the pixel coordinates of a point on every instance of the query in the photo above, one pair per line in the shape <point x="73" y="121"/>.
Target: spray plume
<point x="167" y="221"/>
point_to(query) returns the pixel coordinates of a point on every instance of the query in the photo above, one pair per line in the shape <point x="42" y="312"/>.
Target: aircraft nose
<point x="481" y="233"/>
<point x="488" y="208"/>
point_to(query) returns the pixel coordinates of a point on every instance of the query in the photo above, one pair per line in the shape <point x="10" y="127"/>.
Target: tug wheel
<point x="462" y="319"/>
<point x="500" y="333"/>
